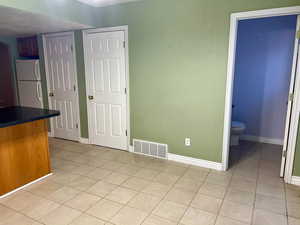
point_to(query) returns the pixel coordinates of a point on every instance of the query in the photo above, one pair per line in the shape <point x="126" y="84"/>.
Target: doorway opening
<point x="262" y="91"/>
<point x="262" y="80"/>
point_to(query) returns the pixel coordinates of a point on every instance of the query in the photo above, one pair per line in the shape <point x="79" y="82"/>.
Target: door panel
<point x="61" y="74"/>
<point x="106" y="82"/>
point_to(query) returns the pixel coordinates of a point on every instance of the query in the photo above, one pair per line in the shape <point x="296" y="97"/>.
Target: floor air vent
<point x="150" y="148"/>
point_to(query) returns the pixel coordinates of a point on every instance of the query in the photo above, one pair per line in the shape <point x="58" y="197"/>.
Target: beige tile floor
<point x="95" y="186"/>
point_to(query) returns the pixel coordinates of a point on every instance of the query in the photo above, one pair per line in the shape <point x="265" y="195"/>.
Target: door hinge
<point x="284" y="154"/>
<point x="74" y="87"/>
<point x="76" y="125"/>
<point x="291" y="97"/>
<point x="298" y="34"/>
<point x="125" y="91"/>
<point x="124" y="44"/>
<point x="126" y="133"/>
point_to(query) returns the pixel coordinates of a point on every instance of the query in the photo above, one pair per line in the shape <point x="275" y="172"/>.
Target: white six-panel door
<point x="62" y="89"/>
<point x="106" y="88"/>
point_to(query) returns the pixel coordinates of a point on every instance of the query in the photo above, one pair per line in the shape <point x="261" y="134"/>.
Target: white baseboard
<point x="295" y="180"/>
<point x="24" y="186"/>
<point x="262" y="139"/>
<point x="50" y="134"/>
<point x="84" y="140"/>
<point x="130" y="149"/>
<point x="195" y="162"/>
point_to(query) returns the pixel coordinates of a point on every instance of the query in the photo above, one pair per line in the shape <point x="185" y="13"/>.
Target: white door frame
<point x="44" y="36"/>
<point x="234" y="18"/>
<point x="289" y="115"/>
<point x="103" y="30"/>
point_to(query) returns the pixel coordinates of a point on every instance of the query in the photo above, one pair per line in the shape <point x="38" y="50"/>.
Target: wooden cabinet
<point x="24" y="154"/>
<point x="28" y="47"/>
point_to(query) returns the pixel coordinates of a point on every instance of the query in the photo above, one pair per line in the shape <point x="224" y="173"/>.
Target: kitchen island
<point x="24" y="148"/>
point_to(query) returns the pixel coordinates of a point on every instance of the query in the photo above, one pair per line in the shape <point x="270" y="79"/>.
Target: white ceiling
<point x="19" y="23"/>
<point x="101" y="3"/>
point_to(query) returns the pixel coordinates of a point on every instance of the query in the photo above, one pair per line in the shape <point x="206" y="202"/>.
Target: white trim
<point x="26" y="185"/>
<point x="111" y="29"/>
<point x="84" y="140"/>
<point x="44" y="36"/>
<point x="105" y="29"/>
<point x="50" y="134"/>
<point x="105" y="3"/>
<point x="293" y="128"/>
<point x="130" y="149"/>
<point x="284" y="11"/>
<point x="195" y="162"/>
<point x="290" y="103"/>
<point x="235" y="17"/>
<point x="266" y="140"/>
<point x="295" y="180"/>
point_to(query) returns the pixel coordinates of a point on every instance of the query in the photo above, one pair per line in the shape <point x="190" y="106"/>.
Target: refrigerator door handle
<point x="38" y="91"/>
<point x="36" y="72"/>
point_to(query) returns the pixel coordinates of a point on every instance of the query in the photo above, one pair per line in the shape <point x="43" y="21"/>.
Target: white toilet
<point x="237" y="129"/>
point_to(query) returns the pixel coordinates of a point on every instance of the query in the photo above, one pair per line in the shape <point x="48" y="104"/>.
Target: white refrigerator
<point x="29" y="83"/>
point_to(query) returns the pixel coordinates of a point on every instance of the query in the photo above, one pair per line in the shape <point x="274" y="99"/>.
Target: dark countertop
<point x="11" y="116"/>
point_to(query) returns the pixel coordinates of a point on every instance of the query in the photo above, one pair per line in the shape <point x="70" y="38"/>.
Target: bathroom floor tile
<point x="262" y="217"/>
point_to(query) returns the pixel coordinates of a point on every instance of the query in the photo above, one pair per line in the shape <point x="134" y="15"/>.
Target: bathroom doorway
<point x="263" y="68"/>
<point x="259" y="97"/>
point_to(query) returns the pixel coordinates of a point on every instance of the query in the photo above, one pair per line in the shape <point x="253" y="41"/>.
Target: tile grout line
<point x="190" y="204"/>
<point x="286" y="205"/>
<point x="223" y="199"/>
<point x="256" y="186"/>
<point x="147" y="166"/>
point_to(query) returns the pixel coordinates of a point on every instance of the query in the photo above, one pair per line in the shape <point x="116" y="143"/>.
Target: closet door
<point x="106" y="88"/>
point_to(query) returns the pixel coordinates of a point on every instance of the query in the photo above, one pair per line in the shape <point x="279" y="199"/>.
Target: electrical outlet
<point x="187" y="142"/>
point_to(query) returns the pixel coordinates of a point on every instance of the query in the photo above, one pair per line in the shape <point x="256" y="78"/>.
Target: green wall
<point x="68" y="10"/>
<point x="296" y="171"/>
<point x="81" y="84"/>
<point x="178" y="61"/>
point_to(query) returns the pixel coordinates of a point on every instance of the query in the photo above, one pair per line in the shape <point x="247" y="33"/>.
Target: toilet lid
<point x="236" y="124"/>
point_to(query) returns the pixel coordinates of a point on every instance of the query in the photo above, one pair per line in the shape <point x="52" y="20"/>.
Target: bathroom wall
<point x="262" y="75"/>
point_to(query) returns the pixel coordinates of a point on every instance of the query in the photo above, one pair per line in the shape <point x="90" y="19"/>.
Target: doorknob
<point x="51" y="94"/>
<point x="91" y="97"/>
